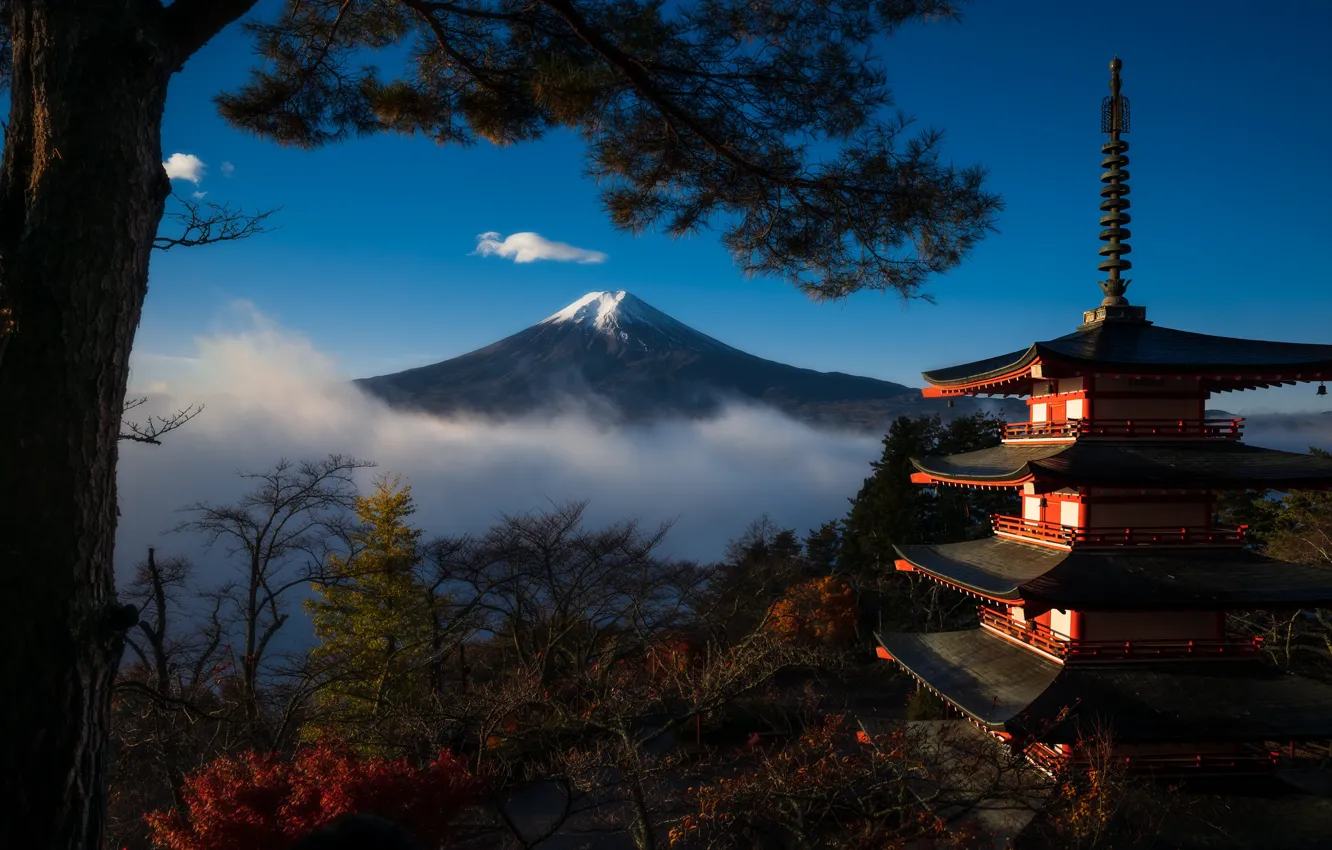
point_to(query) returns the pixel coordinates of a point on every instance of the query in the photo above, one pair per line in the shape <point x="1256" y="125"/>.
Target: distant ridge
<point x="632" y="362"/>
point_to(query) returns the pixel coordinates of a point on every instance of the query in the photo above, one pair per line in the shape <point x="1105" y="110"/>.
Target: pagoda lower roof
<point x="1129" y="578"/>
<point x="1142" y="348"/>
<point x="1131" y="464"/>
<point x="1008" y="688"/>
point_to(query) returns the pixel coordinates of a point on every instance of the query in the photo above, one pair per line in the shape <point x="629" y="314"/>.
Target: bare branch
<point x="156" y="426"/>
<point x="205" y="223"/>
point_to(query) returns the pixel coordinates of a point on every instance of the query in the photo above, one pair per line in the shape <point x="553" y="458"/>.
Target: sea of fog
<point x="269" y="394"/>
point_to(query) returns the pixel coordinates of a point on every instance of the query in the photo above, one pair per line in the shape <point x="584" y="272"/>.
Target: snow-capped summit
<point x="631" y="358"/>
<point x="631" y="320"/>
<point x="600" y="309"/>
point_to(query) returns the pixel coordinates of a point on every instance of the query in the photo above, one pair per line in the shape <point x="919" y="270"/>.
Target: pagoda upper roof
<point x="1223" y="464"/>
<point x="1127" y="578"/>
<point x="1008" y="688"/>
<point x="1142" y="348"/>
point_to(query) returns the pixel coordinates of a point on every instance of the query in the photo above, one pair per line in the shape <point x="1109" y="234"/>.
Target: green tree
<point x="372" y="619"/>
<point x="890" y="509"/>
<point x="963" y="513"/>
<point x="759" y="566"/>
<point x="823" y="547"/>
<point x="762" y="119"/>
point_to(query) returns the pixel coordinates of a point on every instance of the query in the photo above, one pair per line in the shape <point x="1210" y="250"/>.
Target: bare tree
<point x="562" y="596"/>
<point x="594" y="671"/>
<point x="170" y="714"/>
<point x="279" y="536"/>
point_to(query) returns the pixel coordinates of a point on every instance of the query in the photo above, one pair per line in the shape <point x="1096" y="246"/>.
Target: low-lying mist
<point x="268" y="394"/>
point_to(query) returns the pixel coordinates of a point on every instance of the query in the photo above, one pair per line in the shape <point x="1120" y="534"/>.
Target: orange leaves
<point x="260" y="802"/>
<point x="822" y="610"/>
<point x="673" y="654"/>
<point x="826" y="789"/>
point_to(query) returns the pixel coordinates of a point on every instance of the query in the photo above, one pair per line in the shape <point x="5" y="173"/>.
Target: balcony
<point x="1062" y="536"/>
<point x="1118" y="429"/>
<point x="1039" y="636"/>
<point x="1250" y="760"/>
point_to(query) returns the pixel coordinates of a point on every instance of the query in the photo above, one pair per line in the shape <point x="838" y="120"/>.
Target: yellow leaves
<point x="374" y="619"/>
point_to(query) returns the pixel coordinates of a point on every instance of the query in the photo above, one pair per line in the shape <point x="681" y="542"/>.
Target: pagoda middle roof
<point x="1009" y="688"/>
<point x="1145" y="348"/>
<point x="1128" y="578"/>
<point x="1132" y="464"/>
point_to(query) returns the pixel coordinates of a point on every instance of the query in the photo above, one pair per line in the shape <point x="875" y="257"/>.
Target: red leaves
<point x="260" y="802"/>
<point x="823" y="610"/>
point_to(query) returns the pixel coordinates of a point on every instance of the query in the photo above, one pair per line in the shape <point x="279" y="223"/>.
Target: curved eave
<point x="1019" y="564"/>
<point x="1127" y="463"/>
<point x="985" y="677"/>
<point x="1009" y="572"/>
<point x="1132" y="349"/>
<point x="926" y="477"/>
<point x="1005" y="465"/>
<point x="1002" y="597"/>
<point x="993" y="375"/>
<point x="1006" y="687"/>
<point x="1217" y="378"/>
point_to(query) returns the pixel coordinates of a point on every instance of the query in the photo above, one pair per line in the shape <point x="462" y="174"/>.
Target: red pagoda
<point x="1105" y="602"/>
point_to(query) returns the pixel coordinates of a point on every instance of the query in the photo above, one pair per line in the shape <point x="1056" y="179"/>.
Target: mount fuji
<point x="635" y="363"/>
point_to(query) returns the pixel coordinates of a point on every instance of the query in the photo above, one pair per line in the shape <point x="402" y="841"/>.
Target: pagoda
<point x="1103" y="605"/>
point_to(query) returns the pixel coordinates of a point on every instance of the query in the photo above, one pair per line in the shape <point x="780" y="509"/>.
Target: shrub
<point x="924" y="705"/>
<point x="823" y="610"/>
<point x="258" y="801"/>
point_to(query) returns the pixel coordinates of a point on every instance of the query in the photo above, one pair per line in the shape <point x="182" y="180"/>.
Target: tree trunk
<point x="82" y="190"/>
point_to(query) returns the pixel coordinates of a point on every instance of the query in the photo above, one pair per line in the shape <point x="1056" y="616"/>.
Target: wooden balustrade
<point x="1035" y="529"/>
<point x="1194" y="429"/>
<point x="1043" y="531"/>
<point x="1039" y="636"/>
<point x="1249" y="760"/>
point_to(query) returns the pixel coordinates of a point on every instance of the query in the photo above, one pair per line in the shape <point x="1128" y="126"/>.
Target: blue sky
<point x="1230" y="173"/>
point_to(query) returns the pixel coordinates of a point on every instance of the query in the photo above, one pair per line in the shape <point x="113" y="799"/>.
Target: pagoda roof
<point x="1008" y="688"/>
<point x="1142" y="348"/>
<point x="1127" y="578"/>
<point x="1132" y="464"/>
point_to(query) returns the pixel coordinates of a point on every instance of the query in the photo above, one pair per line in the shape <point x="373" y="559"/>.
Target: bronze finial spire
<point x="1114" y="206"/>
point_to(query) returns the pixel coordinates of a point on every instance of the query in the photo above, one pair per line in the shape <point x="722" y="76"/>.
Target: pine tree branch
<point x="193" y="23"/>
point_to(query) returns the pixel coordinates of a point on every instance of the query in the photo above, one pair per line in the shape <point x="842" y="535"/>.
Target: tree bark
<point x="82" y="190"/>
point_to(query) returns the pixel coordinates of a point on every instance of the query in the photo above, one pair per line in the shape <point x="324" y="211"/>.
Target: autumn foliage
<point x="822" y="610"/>
<point x="260" y="801"/>
<point x="828" y="788"/>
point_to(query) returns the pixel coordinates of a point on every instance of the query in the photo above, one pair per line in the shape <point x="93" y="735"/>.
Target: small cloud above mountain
<point x="529" y="247"/>
<point x="184" y="166"/>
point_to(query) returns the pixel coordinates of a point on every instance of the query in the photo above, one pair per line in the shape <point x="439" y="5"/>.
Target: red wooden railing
<point x="1205" y="429"/>
<point x="1251" y="760"/>
<point x="1036" y="529"/>
<point x="1031" y="632"/>
<point x="1040" y="636"/>
<point x="1062" y="535"/>
<point x="1121" y="650"/>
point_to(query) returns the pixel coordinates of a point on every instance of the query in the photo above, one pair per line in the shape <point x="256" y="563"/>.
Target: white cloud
<point x="228" y="169"/>
<point x="269" y="393"/>
<point x="530" y="247"/>
<point x="185" y="166"/>
<point x="198" y="196"/>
